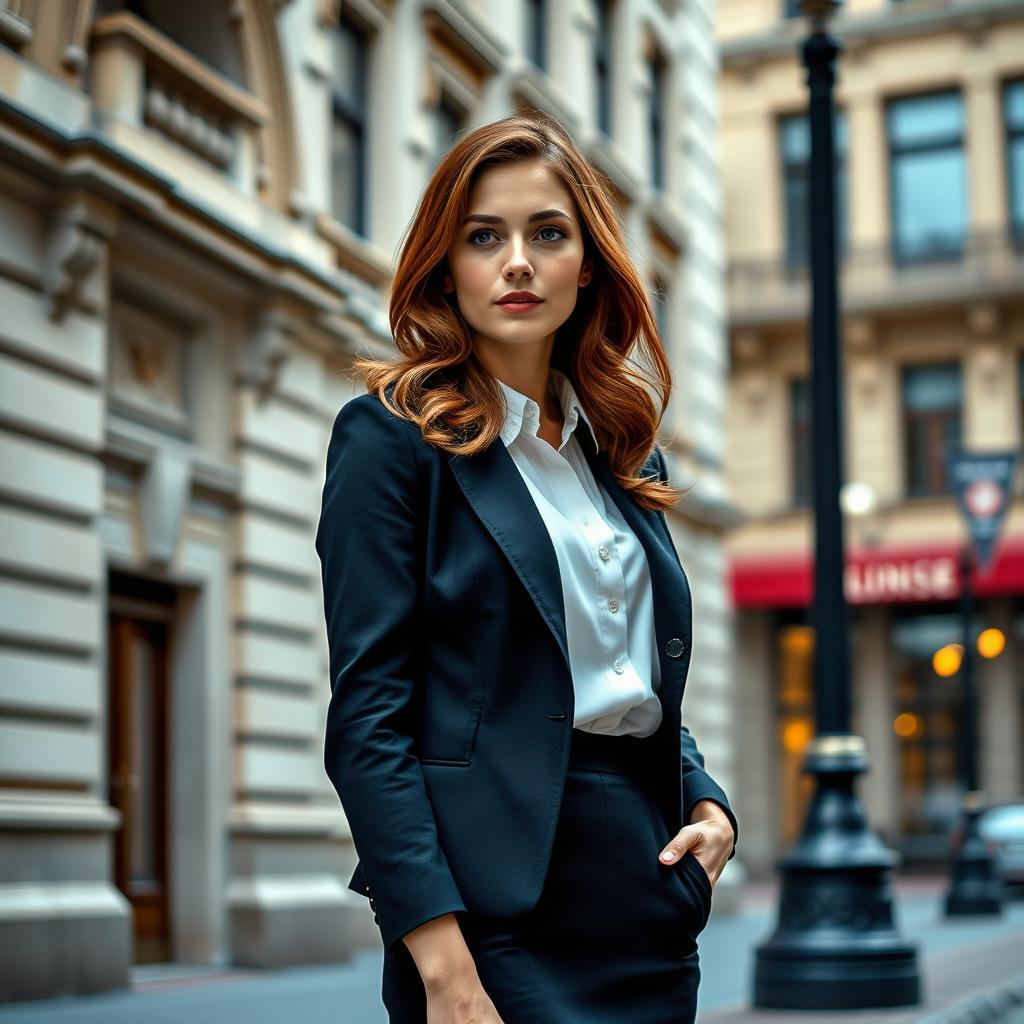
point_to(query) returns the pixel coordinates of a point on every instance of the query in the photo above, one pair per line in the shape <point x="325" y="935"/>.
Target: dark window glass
<point x="800" y="439"/>
<point x="1013" y="107"/>
<point x="931" y="422"/>
<point x="795" y="147"/>
<point x="657" y="71"/>
<point x="928" y="177"/>
<point x="535" y="42"/>
<point x="927" y="710"/>
<point x="603" y="66"/>
<point x="448" y="120"/>
<point x="791" y="8"/>
<point x="349" y="126"/>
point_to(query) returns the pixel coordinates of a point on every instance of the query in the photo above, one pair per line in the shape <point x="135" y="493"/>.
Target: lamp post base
<point x="835" y="946"/>
<point x="975" y="888"/>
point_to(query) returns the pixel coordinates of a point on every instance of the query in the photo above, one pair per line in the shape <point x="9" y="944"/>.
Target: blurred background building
<point x="199" y="207"/>
<point x="930" y="177"/>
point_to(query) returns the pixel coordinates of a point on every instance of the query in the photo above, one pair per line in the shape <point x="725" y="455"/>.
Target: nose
<point x="517" y="263"/>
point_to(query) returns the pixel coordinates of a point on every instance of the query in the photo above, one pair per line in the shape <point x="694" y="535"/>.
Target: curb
<point x="987" y="1008"/>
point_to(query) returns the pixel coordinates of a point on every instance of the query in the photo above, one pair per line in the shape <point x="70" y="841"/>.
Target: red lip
<point x="519" y="297"/>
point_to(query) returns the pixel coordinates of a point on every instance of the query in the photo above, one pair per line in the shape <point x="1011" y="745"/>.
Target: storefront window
<point x="927" y="711"/>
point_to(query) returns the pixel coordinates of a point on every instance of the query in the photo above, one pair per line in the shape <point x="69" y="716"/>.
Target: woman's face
<point x="501" y="248"/>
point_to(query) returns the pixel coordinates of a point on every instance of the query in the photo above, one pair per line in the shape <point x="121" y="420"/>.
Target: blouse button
<point x="603" y="552"/>
<point x="613" y="605"/>
<point x="618" y="666"/>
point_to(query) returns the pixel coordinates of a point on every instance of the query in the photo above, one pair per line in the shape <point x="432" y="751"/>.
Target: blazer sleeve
<point x="367" y="541"/>
<point x="698" y="784"/>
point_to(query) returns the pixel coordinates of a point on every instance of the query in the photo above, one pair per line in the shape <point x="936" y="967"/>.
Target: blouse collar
<point x="523" y="413"/>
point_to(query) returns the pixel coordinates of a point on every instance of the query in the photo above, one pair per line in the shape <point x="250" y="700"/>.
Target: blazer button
<point x="675" y="647"/>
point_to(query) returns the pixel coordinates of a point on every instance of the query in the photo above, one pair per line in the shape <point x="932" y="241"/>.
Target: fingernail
<point x="668" y="855"/>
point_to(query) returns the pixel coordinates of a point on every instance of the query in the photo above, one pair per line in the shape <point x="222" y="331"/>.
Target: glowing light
<point x="946" y="660"/>
<point x="907" y="724"/>
<point x="991" y="642"/>
<point x="798" y="639"/>
<point x="796" y="736"/>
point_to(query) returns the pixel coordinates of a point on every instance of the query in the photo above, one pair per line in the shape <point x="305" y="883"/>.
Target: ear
<point x="586" y="272"/>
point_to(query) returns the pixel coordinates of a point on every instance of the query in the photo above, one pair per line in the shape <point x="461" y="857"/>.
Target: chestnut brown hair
<point x="438" y="382"/>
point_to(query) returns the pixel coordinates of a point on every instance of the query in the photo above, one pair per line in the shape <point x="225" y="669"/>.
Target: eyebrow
<point x="486" y="218"/>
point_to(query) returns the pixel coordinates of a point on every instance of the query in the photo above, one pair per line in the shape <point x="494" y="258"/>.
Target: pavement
<point x="972" y="972"/>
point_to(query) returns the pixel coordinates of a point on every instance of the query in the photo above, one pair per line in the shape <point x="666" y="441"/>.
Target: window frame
<point x="935" y="470"/>
<point x="1013" y="134"/>
<point x="900" y="257"/>
<point x="356" y="116"/>
<point x="795" y="262"/>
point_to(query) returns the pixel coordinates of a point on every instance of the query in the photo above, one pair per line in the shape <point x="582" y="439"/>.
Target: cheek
<point x="473" y="284"/>
<point x="566" y="270"/>
<point x="563" y="277"/>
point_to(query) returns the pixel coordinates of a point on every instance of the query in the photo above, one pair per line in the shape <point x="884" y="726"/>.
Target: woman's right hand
<point x="461" y="1001"/>
<point x="448" y="971"/>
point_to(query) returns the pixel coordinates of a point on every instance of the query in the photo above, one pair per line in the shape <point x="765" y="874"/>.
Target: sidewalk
<point x="961" y="960"/>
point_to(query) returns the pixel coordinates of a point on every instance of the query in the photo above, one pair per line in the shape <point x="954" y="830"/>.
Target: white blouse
<point x="606" y="585"/>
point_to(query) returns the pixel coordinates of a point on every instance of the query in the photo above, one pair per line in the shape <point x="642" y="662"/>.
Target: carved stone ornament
<point x="269" y="348"/>
<point x="79" y="231"/>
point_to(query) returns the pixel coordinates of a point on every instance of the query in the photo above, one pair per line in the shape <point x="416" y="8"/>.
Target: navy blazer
<point x="450" y="719"/>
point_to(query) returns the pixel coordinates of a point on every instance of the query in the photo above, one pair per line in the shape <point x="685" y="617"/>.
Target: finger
<point x="676" y="848"/>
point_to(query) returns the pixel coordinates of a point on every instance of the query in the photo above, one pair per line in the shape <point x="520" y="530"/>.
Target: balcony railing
<point x="989" y="265"/>
<point x="141" y="79"/>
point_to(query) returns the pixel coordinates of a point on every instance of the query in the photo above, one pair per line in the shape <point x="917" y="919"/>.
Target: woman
<point x="508" y="620"/>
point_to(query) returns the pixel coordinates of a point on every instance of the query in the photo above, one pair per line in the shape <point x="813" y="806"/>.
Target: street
<point x="959" y="958"/>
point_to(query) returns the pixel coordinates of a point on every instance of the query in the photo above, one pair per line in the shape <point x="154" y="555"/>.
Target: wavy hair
<point x="438" y="382"/>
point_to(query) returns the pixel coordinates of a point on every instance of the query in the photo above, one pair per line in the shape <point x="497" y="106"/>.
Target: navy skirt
<point x="613" y="936"/>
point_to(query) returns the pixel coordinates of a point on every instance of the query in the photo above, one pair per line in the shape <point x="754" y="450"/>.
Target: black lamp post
<point x="835" y="945"/>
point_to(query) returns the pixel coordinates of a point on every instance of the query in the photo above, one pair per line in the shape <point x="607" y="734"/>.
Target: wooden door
<point x="138" y="635"/>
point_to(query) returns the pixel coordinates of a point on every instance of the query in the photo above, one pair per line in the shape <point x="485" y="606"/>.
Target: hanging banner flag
<point x="981" y="482"/>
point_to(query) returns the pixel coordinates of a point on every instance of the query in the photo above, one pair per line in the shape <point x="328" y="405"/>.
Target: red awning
<point x="889" y="575"/>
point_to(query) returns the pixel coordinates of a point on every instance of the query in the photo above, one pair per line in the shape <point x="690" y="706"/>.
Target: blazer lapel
<point x="499" y="496"/>
<point x="494" y="487"/>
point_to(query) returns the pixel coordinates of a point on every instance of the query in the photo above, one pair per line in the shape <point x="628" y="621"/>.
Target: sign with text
<point x="981" y="482"/>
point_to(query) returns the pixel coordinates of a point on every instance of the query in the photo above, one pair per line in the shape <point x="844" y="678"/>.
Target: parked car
<point x="1002" y="827"/>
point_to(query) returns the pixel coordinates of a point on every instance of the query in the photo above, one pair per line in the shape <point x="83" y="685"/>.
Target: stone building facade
<point x="199" y="208"/>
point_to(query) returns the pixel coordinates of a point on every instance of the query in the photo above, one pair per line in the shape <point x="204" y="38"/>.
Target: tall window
<point x="657" y="71"/>
<point x="932" y="405"/>
<point x="795" y="148"/>
<point x="603" y="66"/>
<point x="535" y="43"/>
<point x="350" y="118"/>
<point x="928" y="176"/>
<point x="1013" y="106"/>
<point x="800" y="439"/>
<point x="448" y="119"/>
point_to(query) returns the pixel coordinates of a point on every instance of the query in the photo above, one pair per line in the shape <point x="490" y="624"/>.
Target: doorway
<point x="140" y="617"/>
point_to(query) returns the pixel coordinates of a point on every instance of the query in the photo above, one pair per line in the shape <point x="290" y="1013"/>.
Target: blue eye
<point x="487" y="231"/>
